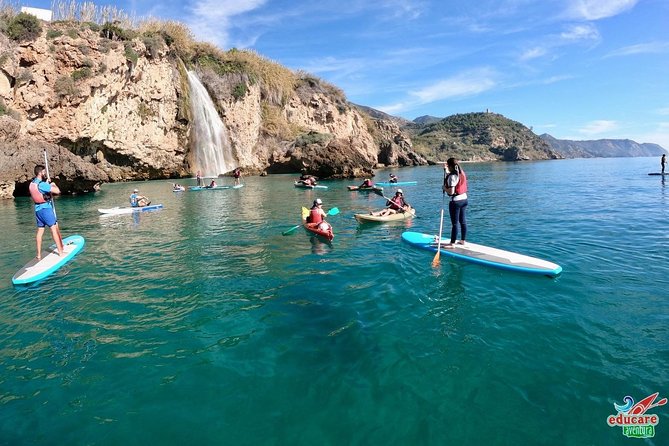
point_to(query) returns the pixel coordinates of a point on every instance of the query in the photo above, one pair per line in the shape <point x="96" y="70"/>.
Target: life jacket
<point x="367" y="183"/>
<point x="396" y="203"/>
<point x="461" y="187"/>
<point x="37" y="196"/>
<point x="315" y="215"/>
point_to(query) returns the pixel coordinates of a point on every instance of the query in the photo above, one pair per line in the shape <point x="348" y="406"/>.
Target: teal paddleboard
<point x="39" y="269"/>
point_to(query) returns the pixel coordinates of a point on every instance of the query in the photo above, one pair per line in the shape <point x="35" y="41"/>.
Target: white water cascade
<point x="212" y="149"/>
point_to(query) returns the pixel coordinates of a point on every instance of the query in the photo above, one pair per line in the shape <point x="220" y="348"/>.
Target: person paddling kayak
<point x="41" y="191"/>
<point x="395" y="205"/>
<point x="317" y="215"/>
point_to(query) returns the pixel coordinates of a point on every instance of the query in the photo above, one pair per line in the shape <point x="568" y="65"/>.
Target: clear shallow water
<point x="201" y="324"/>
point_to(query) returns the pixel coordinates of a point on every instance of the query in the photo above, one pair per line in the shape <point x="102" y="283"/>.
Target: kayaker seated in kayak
<point x="393" y="178"/>
<point x="212" y="184"/>
<point x="317" y="215"/>
<point x="138" y="201"/>
<point x="177" y="187"/>
<point x="395" y="205"/>
<point x="367" y="183"/>
<point x="308" y="181"/>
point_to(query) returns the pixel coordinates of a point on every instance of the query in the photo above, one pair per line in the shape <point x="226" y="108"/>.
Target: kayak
<point x="197" y="188"/>
<point x="485" y="255"/>
<point x="39" y="269"/>
<point x="179" y="189"/>
<point x="313" y="228"/>
<point x="399" y="183"/>
<point x="237" y="186"/>
<point x="367" y="218"/>
<point x="306" y="186"/>
<point x="130" y="210"/>
<point x="366" y="189"/>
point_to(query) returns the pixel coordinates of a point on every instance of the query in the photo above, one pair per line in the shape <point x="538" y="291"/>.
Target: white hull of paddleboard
<point x="39" y="269"/>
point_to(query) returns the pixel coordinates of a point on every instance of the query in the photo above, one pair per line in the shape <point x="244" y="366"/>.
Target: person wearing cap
<point x="137" y="200"/>
<point x="395" y="205"/>
<point x="393" y="178"/>
<point x="317" y="215"/>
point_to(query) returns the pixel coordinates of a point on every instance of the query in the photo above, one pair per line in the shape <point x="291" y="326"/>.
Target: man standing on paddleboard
<point x="41" y="191"/>
<point x="663" y="162"/>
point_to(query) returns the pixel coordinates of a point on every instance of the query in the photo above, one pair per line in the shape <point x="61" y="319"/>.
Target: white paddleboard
<point x="485" y="255"/>
<point x="39" y="269"/>
<point x="129" y="210"/>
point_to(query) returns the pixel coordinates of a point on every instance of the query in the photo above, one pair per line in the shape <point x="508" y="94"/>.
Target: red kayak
<point x="313" y="228"/>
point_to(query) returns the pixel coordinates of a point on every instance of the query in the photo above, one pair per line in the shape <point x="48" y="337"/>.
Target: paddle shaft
<point x="435" y="261"/>
<point x="46" y="166"/>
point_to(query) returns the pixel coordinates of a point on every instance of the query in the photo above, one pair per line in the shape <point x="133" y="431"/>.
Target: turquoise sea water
<point x="202" y="324"/>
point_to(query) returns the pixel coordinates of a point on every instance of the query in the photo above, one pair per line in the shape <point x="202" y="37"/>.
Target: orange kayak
<point x="314" y="229"/>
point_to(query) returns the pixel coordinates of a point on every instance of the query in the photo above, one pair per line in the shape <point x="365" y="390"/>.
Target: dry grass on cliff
<point x="277" y="83"/>
<point x="74" y="11"/>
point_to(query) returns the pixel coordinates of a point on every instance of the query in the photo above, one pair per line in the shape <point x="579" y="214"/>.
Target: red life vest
<point x="37" y="196"/>
<point x="396" y="203"/>
<point x="367" y="183"/>
<point x="315" y="215"/>
<point x="461" y="187"/>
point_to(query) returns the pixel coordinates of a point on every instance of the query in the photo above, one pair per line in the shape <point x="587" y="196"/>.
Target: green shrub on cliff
<point x="306" y="139"/>
<point x="53" y="33"/>
<point x="64" y="87"/>
<point x="112" y="31"/>
<point x="240" y="91"/>
<point x="81" y="73"/>
<point x="130" y="53"/>
<point x="24" y="27"/>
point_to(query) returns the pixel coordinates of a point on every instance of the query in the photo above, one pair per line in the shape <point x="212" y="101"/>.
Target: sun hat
<point x="399" y="191"/>
<point x="136" y="190"/>
<point x="318" y="201"/>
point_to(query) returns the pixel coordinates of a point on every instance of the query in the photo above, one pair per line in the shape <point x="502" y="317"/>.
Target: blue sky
<point x="577" y="69"/>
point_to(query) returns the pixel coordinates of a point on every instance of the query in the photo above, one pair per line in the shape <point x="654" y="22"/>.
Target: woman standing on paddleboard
<point x="455" y="185"/>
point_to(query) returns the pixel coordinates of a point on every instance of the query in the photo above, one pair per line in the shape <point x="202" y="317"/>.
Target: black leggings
<point x="456" y="209"/>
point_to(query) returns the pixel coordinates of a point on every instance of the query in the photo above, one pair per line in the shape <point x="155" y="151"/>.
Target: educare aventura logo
<point x="634" y="420"/>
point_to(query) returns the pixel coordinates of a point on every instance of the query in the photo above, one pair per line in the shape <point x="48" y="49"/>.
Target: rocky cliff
<point x="118" y="102"/>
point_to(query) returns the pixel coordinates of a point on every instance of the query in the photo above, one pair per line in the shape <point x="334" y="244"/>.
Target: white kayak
<point x="130" y="210"/>
<point x="485" y="255"/>
<point x="364" y="218"/>
<point x="39" y="269"/>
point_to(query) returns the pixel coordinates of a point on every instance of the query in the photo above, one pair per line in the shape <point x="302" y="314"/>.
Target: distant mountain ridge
<point x="480" y="136"/>
<point x="602" y="148"/>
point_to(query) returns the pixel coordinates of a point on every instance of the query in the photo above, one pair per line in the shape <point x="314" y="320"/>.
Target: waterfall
<point x="212" y="149"/>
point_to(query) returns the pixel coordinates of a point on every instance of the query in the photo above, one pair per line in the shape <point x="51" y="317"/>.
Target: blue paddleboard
<point x="485" y="255"/>
<point x="39" y="269"/>
<point x="399" y="183"/>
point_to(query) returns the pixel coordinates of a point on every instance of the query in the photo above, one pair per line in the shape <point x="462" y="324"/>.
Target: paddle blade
<point x="333" y="211"/>
<point x="435" y="261"/>
<point x="291" y="230"/>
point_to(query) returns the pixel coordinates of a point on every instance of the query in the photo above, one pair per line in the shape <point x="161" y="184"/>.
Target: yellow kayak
<point x="366" y="218"/>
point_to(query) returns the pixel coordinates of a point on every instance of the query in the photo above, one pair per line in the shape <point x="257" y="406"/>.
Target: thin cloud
<point x="576" y="33"/>
<point x="598" y="127"/>
<point x="463" y="84"/>
<point x="641" y="48"/>
<point x="663" y="111"/>
<point x="533" y="53"/>
<point x="597" y="9"/>
<point x="210" y="20"/>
